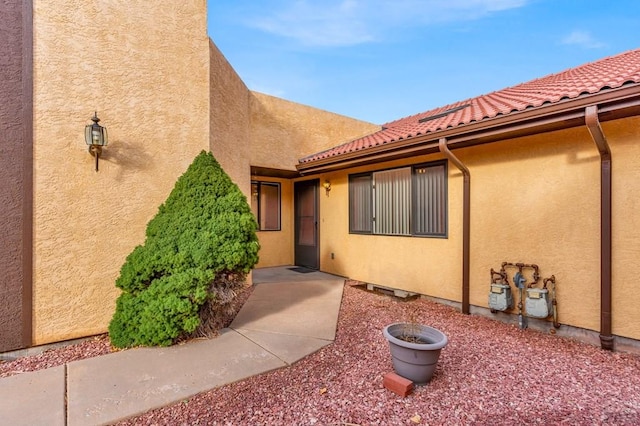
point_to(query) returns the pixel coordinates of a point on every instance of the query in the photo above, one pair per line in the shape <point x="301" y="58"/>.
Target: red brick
<point x="397" y="384"/>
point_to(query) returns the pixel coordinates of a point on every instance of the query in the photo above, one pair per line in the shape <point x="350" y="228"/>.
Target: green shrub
<point x="197" y="250"/>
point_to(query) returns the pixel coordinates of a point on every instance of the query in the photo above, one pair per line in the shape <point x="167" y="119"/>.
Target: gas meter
<point x="500" y="297"/>
<point x="538" y="303"/>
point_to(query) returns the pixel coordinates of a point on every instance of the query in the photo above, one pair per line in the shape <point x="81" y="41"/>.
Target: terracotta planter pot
<point x="415" y="360"/>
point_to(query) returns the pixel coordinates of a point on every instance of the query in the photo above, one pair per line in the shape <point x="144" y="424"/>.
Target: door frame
<point x="299" y="186"/>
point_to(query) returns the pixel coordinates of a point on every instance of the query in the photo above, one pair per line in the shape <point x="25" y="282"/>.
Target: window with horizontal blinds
<point x="402" y="201"/>
<point x="360" y="204"/>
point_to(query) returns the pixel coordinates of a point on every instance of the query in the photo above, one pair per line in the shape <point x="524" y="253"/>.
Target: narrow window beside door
<point x="265" y="205"/>
<point x="360" y="207"/>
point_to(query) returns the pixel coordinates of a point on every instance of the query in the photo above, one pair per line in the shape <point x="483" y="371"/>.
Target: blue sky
<point x="380" y="60"/>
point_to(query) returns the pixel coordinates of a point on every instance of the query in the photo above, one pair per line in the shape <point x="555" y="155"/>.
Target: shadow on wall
<point x="130" y="157"/>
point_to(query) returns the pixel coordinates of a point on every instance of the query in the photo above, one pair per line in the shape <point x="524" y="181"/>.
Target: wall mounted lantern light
<point x="327" y="187"/>
<point x="96" y="137"/>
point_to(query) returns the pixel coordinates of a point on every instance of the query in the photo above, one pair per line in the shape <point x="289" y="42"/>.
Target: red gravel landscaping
<point x="95" y="346"/>
<point x="490" y="373"/>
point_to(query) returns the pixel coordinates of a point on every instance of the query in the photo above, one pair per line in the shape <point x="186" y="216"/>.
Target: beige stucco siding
<point x="534" y="200"/>
<point x="146" y="71"/>
<point x="282" y="132"/>
<point x="624" y="139"/>
<point x="277" y="246"/>
<point x="165" y="92"/>
<point x="537" y="200"/>
<point x="419" y="264"/>
<point x="230" y="140"/>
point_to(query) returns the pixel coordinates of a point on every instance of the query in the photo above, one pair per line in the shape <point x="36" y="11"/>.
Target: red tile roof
<point x="588" y="79"/>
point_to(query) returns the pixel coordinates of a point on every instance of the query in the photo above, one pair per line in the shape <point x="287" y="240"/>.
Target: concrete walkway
<point x="288" y="316"/>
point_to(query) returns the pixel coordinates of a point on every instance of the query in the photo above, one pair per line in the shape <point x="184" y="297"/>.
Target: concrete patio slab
<point x="301" y="309"/>
<point x="36" y="398"/>
<point x="124" y="384"/>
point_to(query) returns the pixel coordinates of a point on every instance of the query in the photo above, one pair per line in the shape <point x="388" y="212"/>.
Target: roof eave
<point x="613" y="104"/>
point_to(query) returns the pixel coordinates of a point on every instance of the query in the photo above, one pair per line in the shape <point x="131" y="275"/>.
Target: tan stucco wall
<point x="533" y="200"/>
<point x="424" y="265"/>
<point x="556" y="179"/>
<point x="282" y="132"/>
<point x="536" y="200"/>
<point x="229" y="132"/>
<point x="146" y="71"/>
<point x="624" y="139"/>
<point x="277" y="246"/>
<point x="254" y="129"/>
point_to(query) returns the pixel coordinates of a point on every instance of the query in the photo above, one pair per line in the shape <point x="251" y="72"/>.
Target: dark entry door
<point x="307" y="247"/>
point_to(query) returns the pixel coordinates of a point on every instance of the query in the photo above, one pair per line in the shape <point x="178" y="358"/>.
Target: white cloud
<point x="582" y="39"/>
<point x="312" y="24"/>
<point x="352" y="22"/>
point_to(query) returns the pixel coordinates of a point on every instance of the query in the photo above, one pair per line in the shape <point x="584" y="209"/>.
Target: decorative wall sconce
<point x="327" y="187"/>
<point x="96" y="137"/>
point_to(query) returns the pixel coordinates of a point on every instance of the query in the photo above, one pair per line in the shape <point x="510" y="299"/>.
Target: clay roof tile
<point x="608" y="73"/>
